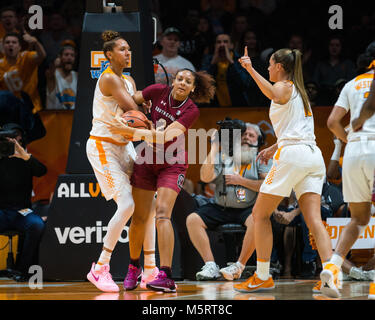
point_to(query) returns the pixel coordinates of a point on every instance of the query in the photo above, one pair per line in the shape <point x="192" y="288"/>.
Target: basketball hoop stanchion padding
<point x="79" y="214"/>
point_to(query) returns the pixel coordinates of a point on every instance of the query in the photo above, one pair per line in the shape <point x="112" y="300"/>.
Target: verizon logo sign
<point x="78" y="235"/>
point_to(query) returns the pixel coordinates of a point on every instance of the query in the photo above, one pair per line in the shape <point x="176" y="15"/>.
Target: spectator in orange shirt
<point x="9" y="22"/>
<point x="19" y="69"/>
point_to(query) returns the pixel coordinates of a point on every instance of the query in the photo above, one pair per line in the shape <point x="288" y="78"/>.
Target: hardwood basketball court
<point x="186" y="290"/>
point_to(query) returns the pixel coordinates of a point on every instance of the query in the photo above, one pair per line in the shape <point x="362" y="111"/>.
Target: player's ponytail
<point x="109" y="37"/>
<point x="291" y="60"/>
<point x="298" y="80"/>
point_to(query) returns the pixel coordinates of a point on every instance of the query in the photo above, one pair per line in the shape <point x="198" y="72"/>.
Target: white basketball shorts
<point x="112" y="164"/>
<point x="296" y="167"/>
<point x="358" y="170"/>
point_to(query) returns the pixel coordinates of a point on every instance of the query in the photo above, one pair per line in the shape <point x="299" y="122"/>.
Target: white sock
<point x="149" y="262"/>
<point x="337" y="260"/>
<point x="263" y="268"/>
<point x="242" y="267"/>
<point x="104" y="258"/>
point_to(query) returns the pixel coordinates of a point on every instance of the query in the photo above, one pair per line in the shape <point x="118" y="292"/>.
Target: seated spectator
<point x="169" y="58"/>
<point x="17" y="172"/>
<point x="232" y="81"/>
<point x="19" y="69"/>
<point x="9" y="23"/>
<point x="54" y="35"/>
<point x="235" y="195"/>
<point x="62" y="80"/>
<point x="333" y="68"/>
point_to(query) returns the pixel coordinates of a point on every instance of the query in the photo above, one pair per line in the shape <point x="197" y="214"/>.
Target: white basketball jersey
<point x="104" y="110"/>
<point x="290" y="123"/>
<point x="352" y="97"/>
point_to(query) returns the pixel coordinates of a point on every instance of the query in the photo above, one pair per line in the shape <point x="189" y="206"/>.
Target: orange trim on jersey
<point x="364" y="76"/>
<point x="110" y="140"/>
<point x="308" y="114"/>
<point x="109" y="70"/>
<point x="371" y="65"/>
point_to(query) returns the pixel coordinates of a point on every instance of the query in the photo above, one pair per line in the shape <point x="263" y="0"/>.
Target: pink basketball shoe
<point x="102" y="279"/>
<point x="150" y="278"/>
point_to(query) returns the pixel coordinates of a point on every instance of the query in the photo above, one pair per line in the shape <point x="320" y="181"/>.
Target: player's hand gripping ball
<point x="135" y="119"/>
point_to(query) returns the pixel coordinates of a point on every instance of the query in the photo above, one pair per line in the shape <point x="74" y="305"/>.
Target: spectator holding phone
<point x="232" y="81"/>
<point x="16" y="185"/>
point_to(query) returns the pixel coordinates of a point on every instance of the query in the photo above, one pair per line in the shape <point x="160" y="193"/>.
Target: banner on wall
<point x="76" y="226"/>
<point x="365" y="241"/>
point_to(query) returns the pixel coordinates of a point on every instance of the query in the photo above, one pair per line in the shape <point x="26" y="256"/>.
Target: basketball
<point x="135" y="119"/>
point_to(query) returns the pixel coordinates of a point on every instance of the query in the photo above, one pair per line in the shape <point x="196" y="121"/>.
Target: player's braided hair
<point x="109" y="37"/>
<point x="204" y="86"/>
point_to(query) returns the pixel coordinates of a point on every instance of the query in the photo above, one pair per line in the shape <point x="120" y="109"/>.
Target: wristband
<point x="337" y="151"/>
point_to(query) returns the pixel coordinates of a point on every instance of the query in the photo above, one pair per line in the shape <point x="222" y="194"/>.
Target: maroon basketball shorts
<point x="154" y="176"/>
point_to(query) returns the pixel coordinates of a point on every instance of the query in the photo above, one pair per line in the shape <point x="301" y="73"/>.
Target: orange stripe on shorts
<point x="103" y="161"/>
<point x="277" y="156"/>
<point x="102" y="157"/>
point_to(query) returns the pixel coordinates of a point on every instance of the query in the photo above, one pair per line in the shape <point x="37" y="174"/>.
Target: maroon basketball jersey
<point x="165" y="107"/>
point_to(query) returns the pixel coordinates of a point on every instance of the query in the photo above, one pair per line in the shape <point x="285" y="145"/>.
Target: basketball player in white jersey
<point x="357" y="97"/>
<point x="297" y="161"/>
<point x="112" y="156"/>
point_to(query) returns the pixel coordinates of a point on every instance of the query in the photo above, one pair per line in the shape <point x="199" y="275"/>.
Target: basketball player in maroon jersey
<point x="173" y="108"/>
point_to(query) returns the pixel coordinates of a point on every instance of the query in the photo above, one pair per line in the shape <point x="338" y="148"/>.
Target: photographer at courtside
<point x="17" y="169"/>
<point x="236" y="189"/>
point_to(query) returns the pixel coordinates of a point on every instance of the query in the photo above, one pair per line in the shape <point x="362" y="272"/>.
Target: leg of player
<point x="165" y="201"/>
<point x="263" y="208"/>
<point x="143" y="209"/>
<point x="99" y="274"/>
<point x="360" y="217"/>
<point x="150" y="270"/>
<point x="309" y="204"/>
